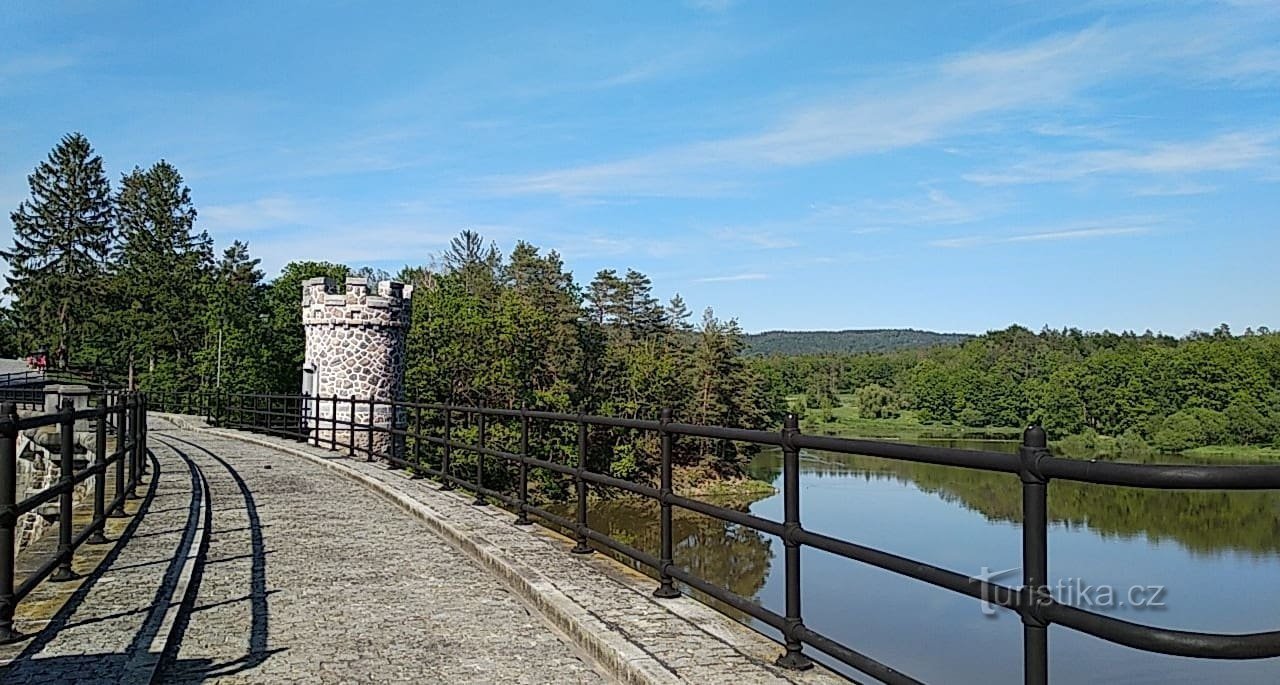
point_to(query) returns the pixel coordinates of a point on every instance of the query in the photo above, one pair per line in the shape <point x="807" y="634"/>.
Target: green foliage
<point x="61" y="239"/>
<point x="1073" y="383"/>
<point x="790" y="343"/>
<point x="1189" y="428"/>
<point x="9" y="334"/>
<point x="519" y="332"/>
<point x="236" y="323"/>
<point x="877" y="402"/>
<point x="283" y="324"/>
<point x="161" y="280"/>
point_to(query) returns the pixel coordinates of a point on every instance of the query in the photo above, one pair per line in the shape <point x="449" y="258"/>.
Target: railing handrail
<point x="1034" y="466"/>
<point x="126" y="414"/>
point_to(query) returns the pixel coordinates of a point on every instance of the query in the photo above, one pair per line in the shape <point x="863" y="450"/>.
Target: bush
<point x="877" y="402"/>
<point x="1246" y="424"/>
<point x="1082" y="444"/>
<point x="1130" y="445"/>
<point x="1190" y="428"/>
<point x="972" y="418"/>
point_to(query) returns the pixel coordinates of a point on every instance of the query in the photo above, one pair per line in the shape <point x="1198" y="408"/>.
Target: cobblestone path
<point x="294" y="577"/>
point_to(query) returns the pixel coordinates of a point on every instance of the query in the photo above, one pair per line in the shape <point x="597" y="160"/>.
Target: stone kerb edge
<point x="619" y="657"/>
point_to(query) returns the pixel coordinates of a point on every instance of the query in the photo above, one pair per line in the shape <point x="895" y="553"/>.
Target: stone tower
<point x="355" y="349"/>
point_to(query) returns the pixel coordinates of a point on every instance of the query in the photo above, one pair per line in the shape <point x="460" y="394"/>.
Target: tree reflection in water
<point x="729" y="555"/>
<point x="1202" y="522"/>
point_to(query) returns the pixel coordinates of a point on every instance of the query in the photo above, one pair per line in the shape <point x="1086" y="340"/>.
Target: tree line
<point x="1146" y="389"/>
<point x="121" y="282"/>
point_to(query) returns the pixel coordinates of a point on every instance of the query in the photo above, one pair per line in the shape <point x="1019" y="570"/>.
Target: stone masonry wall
<point x="355" y="342"/>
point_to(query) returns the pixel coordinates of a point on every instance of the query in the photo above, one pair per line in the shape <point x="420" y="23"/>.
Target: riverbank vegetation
<point x="1099" y="394"/>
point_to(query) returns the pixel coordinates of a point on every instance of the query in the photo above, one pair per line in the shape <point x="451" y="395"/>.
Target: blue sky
<point x="951" y="166"/>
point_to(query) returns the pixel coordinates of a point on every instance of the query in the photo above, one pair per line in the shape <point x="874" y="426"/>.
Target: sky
<point x="955" y="166"/>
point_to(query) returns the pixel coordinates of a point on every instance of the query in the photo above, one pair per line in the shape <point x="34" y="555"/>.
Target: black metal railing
<point x="319" y="421"/>
<point x="21" y="378"/>
<point x="125" y="415"/>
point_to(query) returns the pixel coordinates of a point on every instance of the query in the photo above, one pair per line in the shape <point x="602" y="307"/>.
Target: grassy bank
<point x="844" y="421"/>
<point x="1240" y="453"/>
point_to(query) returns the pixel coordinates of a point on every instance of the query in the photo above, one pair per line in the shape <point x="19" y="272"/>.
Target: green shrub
<point x="1190" y="428"/>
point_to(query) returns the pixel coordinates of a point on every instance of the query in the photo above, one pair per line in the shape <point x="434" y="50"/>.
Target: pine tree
<point x="236" y="355"/>
<point x="62" y="236"/>
<point x="162" y="277"/>
<point x="678" y="314"/>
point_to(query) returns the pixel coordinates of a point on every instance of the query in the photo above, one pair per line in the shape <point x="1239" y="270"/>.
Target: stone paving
<point x="606" y="608"/>
<point x="262" y="560"/>
<point x="102" y="627"/>
<point x="308" y="579"/>
<point x="299" y="577"/>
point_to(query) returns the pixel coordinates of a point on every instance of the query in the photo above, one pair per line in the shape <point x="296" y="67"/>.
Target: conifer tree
<point x="162" y="277"/>
<point x="61" y="239"/>
<point x="236" y="354"/>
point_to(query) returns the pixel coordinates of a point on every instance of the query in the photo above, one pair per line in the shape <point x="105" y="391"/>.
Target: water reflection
<point x="1204" y="546"/>
<point x="729" y="555"/>
<point x="1202" y="522"/>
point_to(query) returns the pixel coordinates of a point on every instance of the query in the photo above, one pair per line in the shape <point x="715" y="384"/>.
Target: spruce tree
<point x="236" y="353"/>
<point x="62" y="235"/>
<point x="162" y="277"/>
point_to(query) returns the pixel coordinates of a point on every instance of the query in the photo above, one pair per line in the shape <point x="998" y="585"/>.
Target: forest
<point x="121" y="282"/>
<point x="1121" y="393"/>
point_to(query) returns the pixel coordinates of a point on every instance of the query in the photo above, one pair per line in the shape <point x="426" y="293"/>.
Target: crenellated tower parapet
<point x="355" y="349"/>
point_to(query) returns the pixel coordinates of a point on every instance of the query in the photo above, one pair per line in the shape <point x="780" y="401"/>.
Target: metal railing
<point x="21" y="378"/>
<point x="303" y="418"/>
<point x="125" y="414"/>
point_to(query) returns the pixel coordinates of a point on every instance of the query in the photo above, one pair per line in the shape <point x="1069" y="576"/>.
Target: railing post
<point x="582" y="547"/>
<point x="1035" y="557"/>
<point x="417" y="436"/>
<point x="522" y="514"/>
<point x="369" y="454"/>
<point x="333" y="422"/>
<point x="351" y="428"/>
<point x="66" y="468"/>
<point x="445" y="466"/>
<point x="121" y="456"/>
<point x="481" y="429"/>
<point x="8" y="516"/>
<point x="666" y="588"/>
<point x="794" y="657"/>
<point x="144" y="405"/>
<point x="132" y="454"/>
<point x="100" y="478"/>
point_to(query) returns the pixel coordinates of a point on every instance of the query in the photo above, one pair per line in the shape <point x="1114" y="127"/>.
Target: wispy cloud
<point x="711" y="5"/>
<point x="265" y="212"/>
<point x="875" y="117"/>
<point x="932" y="207"/>
<point x="1225" y="152"/>
<point x="732" y="278"/>
<point x="757" y="239"/>
<point x="1074" y="232"/>
<point x="914" y="105"/>
<point x="33" y="65"/>
<point x="1175" y="189"/>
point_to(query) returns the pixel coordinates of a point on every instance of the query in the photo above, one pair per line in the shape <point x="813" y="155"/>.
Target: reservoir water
<point x="1205" y="561"/>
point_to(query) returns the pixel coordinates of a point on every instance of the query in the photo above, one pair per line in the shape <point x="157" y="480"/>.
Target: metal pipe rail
<point x="125" y="413"/>
<point x="1034" y="466"/>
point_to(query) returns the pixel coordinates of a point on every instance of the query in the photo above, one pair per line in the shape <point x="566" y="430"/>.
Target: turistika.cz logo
<point x="1075" y="592"/>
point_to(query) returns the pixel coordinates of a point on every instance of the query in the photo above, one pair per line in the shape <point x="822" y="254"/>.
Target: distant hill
<point x="868" y="340"/>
